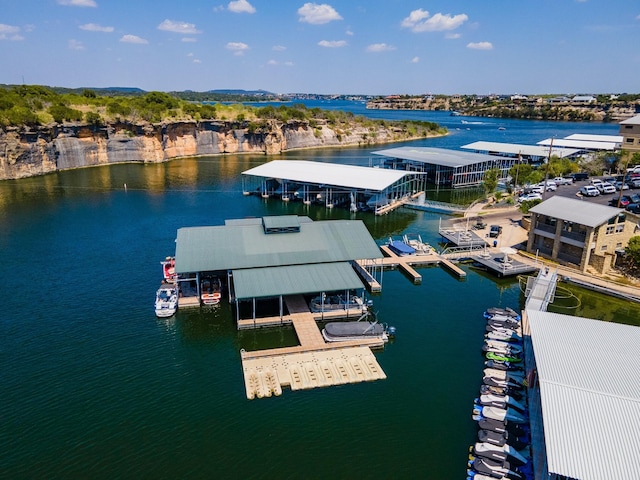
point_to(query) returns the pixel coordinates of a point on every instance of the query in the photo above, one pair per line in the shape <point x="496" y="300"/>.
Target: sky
<point x="372" y="47"/>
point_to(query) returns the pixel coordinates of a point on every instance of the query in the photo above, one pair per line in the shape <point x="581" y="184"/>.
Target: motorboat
<point x="166" y="300"/>
<point x="210" y="291"/>
<point x="503" y="453"/>
<point x="401" y="248"/>
<point x="337" y="302"/>
<point x="357" y="330"/>
<point x="496" y="413"/>
<point x="169" y="269"/>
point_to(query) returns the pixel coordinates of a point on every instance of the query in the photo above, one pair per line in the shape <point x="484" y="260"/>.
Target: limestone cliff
<point x="26" y="152"/>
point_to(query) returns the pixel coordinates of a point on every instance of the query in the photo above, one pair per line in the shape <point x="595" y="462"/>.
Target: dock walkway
<point x="406" y="262"/>
<point x="313" y="363"/>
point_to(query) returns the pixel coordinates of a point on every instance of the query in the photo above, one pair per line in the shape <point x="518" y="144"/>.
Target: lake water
<point x="94" y="386"/>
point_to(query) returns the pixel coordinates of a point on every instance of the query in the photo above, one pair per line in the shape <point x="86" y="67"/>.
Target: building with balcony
<point x="579" y="233"/>
<point x="630" y="131"/>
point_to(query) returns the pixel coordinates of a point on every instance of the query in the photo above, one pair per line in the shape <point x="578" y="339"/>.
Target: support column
<point x="556" y="239"/>
<point x="586" y="251"/>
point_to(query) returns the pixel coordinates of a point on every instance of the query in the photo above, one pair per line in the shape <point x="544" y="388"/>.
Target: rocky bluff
<point x="26" y="152"/>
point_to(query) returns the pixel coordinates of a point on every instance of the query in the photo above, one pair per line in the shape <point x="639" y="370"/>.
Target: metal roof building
<point x="447" y="167"/>
<point x="576" y="211"/>
<point x="589" y="396"/>
<point x="275" y="256"/>
<point x="595" y="138"/>
<point x="533" y="152"/>
<point x="580" y="144"/>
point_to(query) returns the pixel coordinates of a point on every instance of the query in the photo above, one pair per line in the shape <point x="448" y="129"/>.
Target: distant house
<point x="561" y="99"/>
<point x="518" y="98"/>
<point x="579" y="233"/>
<point x="630" y="131"/>
<point x="583" y="99"/>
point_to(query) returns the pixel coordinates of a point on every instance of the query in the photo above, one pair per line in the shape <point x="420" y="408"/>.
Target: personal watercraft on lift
<point x="498" y="365"/>
<point x="499" y="454"/>
<point x="500" y="401"/>
<point x="501" y="439"/>
<point x="503" y="358"/>
<point x="501" y="414"/>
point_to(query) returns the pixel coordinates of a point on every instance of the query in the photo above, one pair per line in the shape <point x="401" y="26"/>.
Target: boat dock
<point x="405" y="263"/>
<point x="461" y="238"/>
<point x="314" y="363"/>
<point x="503" y="265"/>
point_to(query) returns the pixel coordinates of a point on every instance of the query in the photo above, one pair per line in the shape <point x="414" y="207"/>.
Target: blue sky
<point x="342" y="46"/>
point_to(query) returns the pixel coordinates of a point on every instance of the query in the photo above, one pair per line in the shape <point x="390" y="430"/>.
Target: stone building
<point x="630" y="131"/>
<point x="579" y="233"/>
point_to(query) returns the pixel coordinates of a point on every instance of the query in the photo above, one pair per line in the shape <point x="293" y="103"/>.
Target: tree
<point x="491" y="179"/>
<point x="633" y="250"/>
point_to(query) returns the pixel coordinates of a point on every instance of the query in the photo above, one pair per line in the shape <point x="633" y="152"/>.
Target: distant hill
<point x="252" y="93"/>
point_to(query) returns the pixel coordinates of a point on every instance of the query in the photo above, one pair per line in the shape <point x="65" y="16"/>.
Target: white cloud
<point x="380" y="47"/>
<point x="10" y="32"/>
<point x="272" y="62"/>
<point x="275" y="62"/>
<point x="197" y="60"/>
<point x="189" y="39"/>
<point x="332" y="43"/>
<point x="288" y="64"/>
<point x="238" y="48"/>
<point x="279" y="48"/>
<point x="349" y="32"/>
<point x="94" y="27"/>
<point x="78" y="3"/>
<point x="241" y="6"/>
<point x="452" y="36"/>
<point x="480" y="46"/>
<point x="178" y="27"/>
<point x="415" y="59"/>
<point x="421" y="21"/>
<point x="317" y="14"/>
<point x="75" y="45"/>
<point x="133" y="39"/>
<point x="638" y="17"/>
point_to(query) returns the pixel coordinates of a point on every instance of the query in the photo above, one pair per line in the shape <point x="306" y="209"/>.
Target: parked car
<point x="530" y="196"/>
<point x="624" y="201"/>
<point x="634" y="182"/>
<point x="563" y="180"/>
<point x="495" y="231"/>
<point x="607" y="188"/>
<point x="596" y="182"/>
<point x="621" y="186"/>
<point x="551" y="185"/>
<point x="589" y="191"/>
<point x="633" y="208"/>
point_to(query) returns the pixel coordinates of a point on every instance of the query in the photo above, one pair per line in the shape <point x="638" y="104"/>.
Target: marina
<point x="155" y="397"/>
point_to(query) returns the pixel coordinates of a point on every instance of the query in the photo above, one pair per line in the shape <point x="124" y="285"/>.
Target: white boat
<point x="415" y="242"/>
<point x="336" y="302"/>
<point x="166" y="300"/>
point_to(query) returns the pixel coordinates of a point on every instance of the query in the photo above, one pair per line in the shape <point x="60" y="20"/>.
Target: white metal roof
<point x="580" y="144"/>
<point x="631" y="121"/>
<point x="590" y="395"/>
<point x="595" y="138"/>
<point x="437" y="156"/>
<point x="349" y="176"/>
<point x="576" y="211"/>
<point x="518" y="149"/>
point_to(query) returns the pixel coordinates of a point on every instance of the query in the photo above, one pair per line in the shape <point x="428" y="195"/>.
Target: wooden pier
<point x="313" y="363"/>
<point x="405" y="263"/>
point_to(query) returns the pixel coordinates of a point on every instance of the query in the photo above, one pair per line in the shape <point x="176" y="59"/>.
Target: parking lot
<point x="572" y="191"/>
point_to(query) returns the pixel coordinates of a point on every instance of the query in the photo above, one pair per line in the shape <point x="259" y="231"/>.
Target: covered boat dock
<point x="444" y="167"/>
<point x="526" y="153"/>
<point x="330" y="184"/>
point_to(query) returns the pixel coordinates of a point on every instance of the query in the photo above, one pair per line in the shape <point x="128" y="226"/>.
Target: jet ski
<point x="515" y="392"/>
<point x="501" y="311"/>
<point x="501" y="439"/>
<point x="499" y="454"/>
<point x="502" y="427"/>
<point x="497" y="346"/>
<point x="503" y="358"/>
<point x="494" y="469"/>
<point x="495" y="413"/>
<point x="504" y="335"/>
<point x="500" y="401"/>
<point x="498" y="365"/>
<point x="504" y="375"/>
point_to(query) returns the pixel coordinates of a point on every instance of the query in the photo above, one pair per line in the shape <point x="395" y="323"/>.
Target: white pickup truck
<point x="563" y="181"/>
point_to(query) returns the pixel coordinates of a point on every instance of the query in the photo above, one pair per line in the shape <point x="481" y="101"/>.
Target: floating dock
<point x="503" y="265"/>
<point x="461" y="238"/>
<point x="405" y="263"/>
<point x="314" y="363"/>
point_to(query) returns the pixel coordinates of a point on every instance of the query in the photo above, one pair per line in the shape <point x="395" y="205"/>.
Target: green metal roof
<point x="294" y="279"/>
<point x="229" y="247"/>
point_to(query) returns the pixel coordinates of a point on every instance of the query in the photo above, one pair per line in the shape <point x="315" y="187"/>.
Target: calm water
<point x="94" y="386"/>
